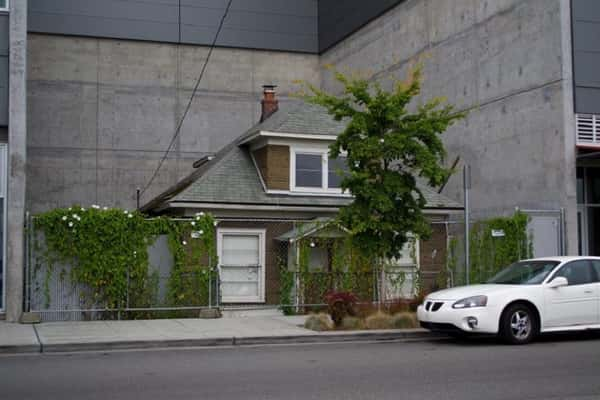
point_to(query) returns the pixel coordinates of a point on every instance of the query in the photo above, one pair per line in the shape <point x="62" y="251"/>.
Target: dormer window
<point x="312" y="171"/>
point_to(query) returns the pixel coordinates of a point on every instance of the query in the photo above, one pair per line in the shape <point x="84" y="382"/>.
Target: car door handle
<point x="588" y="291"/>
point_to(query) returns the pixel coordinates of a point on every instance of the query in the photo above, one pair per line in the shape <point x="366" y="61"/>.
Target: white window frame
<point x="6" y="8"/>
<point x="324" y="153"/>
<point x="261" y="233"/>
<point x="3" y="193"/>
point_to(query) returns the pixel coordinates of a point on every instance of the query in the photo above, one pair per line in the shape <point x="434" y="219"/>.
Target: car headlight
<point x="469" y="302"/>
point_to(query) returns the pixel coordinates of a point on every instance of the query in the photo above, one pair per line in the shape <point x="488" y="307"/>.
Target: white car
<point x="527" y="298"/>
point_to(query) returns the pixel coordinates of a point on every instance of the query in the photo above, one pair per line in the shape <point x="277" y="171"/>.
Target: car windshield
<point x="524" y="273"/>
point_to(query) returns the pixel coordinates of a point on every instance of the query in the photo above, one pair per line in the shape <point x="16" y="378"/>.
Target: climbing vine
<point x="107" y="251"/>
<point x="489" y="252"/>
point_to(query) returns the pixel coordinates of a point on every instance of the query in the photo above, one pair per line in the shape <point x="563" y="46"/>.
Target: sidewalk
<point x="115" y="335"/>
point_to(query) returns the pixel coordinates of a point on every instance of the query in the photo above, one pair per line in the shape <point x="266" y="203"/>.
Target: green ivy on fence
<point x="490" y="253"/>
<point x="107" y="250"/>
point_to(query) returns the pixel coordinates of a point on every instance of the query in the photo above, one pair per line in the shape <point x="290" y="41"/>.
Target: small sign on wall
<point x="498" y="233"/>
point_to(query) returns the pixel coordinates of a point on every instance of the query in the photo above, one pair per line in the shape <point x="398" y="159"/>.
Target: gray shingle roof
<point x="232" y="177"/>
<point x="300" y="118"/>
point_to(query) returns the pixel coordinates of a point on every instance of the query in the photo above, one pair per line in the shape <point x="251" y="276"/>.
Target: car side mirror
<point x="558" y="282"/>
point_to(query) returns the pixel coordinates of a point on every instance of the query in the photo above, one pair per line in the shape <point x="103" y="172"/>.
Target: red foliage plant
<point x="340" y="305"/>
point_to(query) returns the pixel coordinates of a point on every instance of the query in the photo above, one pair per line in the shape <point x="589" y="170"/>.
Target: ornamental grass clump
<point x="379" y="320"/>
<point x="405" y="320"/>
<point x="352" y="324"/>
<point x="318" y="322"/>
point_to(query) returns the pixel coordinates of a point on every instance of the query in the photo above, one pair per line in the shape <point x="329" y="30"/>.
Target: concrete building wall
<point x="102" y="112"/>
<point x="505" y="61"/>
<point x="288" y="25"/>
<point x="17" y="158"/>
<point x="586" y="53"/>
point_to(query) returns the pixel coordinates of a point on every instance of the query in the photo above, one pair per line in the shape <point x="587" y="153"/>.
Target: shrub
<point x="352" y="323"/>
<point x="318" y="322"/>
<point x="340" y="305"/>
<point x="379" y="320"/>
<point x="405" y="320"/>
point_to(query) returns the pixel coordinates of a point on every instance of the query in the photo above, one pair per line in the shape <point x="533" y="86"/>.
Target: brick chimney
<point x="270" y="105"/>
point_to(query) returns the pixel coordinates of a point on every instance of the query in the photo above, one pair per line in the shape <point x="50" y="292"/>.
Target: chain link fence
<point x="295" y="263"/>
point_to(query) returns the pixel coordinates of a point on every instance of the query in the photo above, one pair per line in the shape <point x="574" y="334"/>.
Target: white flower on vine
<point x="82" y="209"/>
<point x="129" y="215"/>
<point x="75" y="216"/>
<point x="70" y="224"/>
<point x="64" y="218"/>
<point x="201" y="232"/>
<point x="184" y="243"/>
<point x="97" y="207"/>
<point x="382" y="140"/>
<point x="70" y="208"/>
<point x="193" y="223"/>
<point x="125" y="212"/>
<point x="215" y="223"/>
<point x="78" y="218"/>
<point x="105" y="208"/>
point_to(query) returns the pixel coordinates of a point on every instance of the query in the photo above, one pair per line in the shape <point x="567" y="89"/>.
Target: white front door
<point x="241" y="265"/>
<point x="576" y="304"/>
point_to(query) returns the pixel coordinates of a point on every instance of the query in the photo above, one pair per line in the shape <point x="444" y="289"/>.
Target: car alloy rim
<point x="520" y="324"/>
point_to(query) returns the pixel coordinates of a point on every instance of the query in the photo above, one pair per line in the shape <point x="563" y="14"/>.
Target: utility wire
<point x="189" y="104"/>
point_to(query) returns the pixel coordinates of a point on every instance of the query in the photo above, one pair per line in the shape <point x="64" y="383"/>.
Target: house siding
<point x="432" y="258"/>
<point x="274" y="165"/>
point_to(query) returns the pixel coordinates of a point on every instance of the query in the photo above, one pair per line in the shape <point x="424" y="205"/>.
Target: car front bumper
<point x="447" y="318"/>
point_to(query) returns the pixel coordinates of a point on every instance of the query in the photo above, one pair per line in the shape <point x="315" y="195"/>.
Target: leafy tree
<point x="388" y="147"/>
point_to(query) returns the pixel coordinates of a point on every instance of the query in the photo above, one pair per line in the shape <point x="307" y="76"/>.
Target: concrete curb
<point x="328" y="337"/>
<point x="21" y="349"/>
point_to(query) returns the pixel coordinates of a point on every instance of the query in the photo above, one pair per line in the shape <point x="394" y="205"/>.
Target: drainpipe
<point x="467" y="186"/>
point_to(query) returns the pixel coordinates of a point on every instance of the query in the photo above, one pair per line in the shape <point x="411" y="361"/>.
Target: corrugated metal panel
<point x="586" y="55"/>
<point x="267" y="24"/>
<point x="3" y="70"/>
<point x="338" y="19"/>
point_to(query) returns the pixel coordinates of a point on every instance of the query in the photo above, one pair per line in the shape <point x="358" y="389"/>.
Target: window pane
<point x="596" y="265"/>
<point x="3" y="3"/>
<point x="593" y="185"/>
<point x="593" y="230"/>
<point x="337" y="168"/>
<point x="580" y="198"/>
<point x="240" y="250"/>
<point x="577" y="273"/>
<point x="1" y="250"/>
<point x="309" y="171"/>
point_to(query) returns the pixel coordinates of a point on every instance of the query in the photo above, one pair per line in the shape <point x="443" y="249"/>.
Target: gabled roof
<point x="299" y="118"/>
<point x="232" y="177"/>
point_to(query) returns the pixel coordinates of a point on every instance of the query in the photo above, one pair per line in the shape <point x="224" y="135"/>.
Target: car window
<point x="577" y="273"/>
<point x="596" y="265"/>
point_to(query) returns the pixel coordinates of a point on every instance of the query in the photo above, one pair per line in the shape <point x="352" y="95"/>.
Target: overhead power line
<point x="189" y="104"/>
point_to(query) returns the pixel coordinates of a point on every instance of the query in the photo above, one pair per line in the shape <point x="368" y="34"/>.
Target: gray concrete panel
<point x="101" y="115"/>
<point x="17" y="160"/>
<point x="503" y="61"/>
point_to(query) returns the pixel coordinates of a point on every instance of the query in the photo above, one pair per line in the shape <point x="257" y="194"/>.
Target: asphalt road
<point x="556" y="368"/>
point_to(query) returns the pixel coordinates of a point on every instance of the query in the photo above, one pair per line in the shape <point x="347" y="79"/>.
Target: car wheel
<point x="518" y="324"/>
